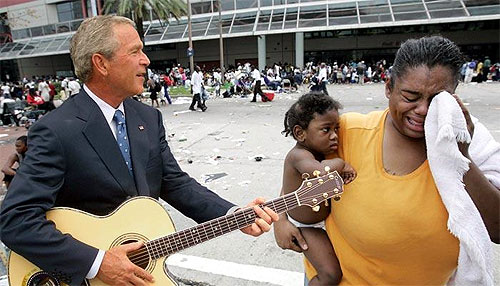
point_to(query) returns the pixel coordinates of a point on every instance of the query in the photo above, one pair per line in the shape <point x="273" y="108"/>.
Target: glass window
<point x="264" y="3"/>
<point x="36" y="31"/>
<point x="410" y="16"/>
<point x="201" y="7"/>
<point x="8" y="47"/>
<point x="75" y="24"/>
<point x="29" y="47"/>
<point x="291" y="18"/>
<point x="227" y="5"/>
<point x="243" y="22"/>
<point x="54" y="46"/>
<point x="68" y="11"/>
<point x="264" y="18"/>
<point x="374" y="11"/>
<point x="199" y="26"/>
<point x="277" y="19"/>
<point x="292" y="1"/>
<point x="49" y="29"/>
<point x="448" y="13"/>
<point x="63" y="27"/>
<point x="226" y="24"/>
<point x="244" y="4"/>
<point x="44" y="43"/>
<point x="342" y="14"/>
<point x="484" y="10"/>
<point x="65" y="45"/>
<point x="155" y="31"/>
<point x="311" y="16"/>
<point x="175" y="30"/>
<point x="445" y="8"/>
<point x="20" y="34"/>
<point x="408" y="10"/>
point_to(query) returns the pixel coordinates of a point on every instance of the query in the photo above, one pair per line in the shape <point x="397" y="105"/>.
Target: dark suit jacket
<point x="73" y="160"/>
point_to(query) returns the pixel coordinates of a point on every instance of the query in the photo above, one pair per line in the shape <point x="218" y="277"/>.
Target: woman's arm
<point x="483" y="193"/>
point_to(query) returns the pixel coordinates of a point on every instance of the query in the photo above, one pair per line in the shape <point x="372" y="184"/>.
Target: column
<point x="299" y="49"/>
<point x="261" y="50"/>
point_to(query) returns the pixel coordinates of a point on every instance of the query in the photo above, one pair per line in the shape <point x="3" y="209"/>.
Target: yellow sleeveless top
<point x="386" y="229"/>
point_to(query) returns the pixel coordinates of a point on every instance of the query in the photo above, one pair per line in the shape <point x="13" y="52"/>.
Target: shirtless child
<point x="313" y="121"/>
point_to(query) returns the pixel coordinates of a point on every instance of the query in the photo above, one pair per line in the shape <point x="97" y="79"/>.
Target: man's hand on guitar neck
<point x="117" y="269"/>
<point x="263" y="223"/>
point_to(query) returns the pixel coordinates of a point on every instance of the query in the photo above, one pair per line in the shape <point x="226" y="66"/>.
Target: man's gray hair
<point x="94" y="36"/>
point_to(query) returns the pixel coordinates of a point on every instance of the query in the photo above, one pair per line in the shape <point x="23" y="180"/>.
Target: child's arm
<point x="322" y="256"/>
<point x="7" y="168"/>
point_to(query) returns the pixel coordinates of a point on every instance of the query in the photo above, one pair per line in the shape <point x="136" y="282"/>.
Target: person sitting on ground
<point x="15" y="160"/>
<point x="313" y="121"/>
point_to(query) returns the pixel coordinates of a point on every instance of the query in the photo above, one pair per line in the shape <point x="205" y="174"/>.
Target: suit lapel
<point x="101" y="138"/>
<point x="139" y="146"/>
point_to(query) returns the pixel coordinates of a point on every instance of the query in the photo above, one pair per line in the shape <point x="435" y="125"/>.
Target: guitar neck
<point x="178" y="241"/>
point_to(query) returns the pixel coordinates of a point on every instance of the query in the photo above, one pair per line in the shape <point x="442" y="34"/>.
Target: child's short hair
<point x="23" y="139"/>
<point x="302" y="111"/>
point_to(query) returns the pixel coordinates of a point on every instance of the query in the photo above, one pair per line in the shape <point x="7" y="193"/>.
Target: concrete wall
<point x="39" y="66"/>
<point x="31" y="14"/>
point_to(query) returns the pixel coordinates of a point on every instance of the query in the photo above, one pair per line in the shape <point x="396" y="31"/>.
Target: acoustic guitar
<point x="121" y="227"/>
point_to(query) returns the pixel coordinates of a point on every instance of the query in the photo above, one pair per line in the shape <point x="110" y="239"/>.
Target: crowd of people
<point x="372" y="236"/>
<point x="241" y="80"/>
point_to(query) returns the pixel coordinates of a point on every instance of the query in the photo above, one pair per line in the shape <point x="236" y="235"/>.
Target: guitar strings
<point x="142" y="255"/>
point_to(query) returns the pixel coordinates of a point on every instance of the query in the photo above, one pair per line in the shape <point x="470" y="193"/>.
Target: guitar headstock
<point x="319" y="188"/>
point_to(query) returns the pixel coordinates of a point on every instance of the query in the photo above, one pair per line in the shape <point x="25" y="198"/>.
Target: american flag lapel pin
<point x="141" y="127"/>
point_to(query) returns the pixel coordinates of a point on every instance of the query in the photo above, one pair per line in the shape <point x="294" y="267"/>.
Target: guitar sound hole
<point x="139" y="257"/>
<point x="42" y="279"/>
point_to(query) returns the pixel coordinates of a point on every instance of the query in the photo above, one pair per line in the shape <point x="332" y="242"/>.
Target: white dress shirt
<point x="109" y="112"/>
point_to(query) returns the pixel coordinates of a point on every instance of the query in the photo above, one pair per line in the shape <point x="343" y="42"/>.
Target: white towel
<point x="445" y="125"/>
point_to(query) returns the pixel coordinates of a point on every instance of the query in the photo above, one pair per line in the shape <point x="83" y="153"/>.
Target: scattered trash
<point x="257" y="157"/>
<point x="244" y="131"/>
<point x="182" y="139"/>
<point x="190" y="161"/>
<point x="212" y="177"/>
<point x="239" y="140"/>
<point x="215" y="133"/>
<point x="181" y="112"/>
<point x="369" y="98"/>
<point x="245" y="183"/>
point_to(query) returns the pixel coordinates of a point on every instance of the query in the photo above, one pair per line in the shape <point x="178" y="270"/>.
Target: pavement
<point x="219" y="148"/>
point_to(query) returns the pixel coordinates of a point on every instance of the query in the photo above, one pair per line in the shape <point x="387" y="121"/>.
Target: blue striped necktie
<point x="122" y="139"/>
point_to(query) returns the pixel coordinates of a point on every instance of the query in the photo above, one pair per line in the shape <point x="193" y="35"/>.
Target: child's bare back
<point x="313" y="121"/>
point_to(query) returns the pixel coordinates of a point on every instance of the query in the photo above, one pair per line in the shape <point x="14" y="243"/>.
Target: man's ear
<point x="388" y="88"/>
<point x="299" y="133"/>
<point x="100" y="64"/>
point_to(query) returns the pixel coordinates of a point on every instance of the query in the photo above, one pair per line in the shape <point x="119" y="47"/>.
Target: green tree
<point x="137" y="9"/>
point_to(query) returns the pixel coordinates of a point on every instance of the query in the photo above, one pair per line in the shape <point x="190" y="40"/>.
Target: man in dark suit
<point x="94" y="152"/>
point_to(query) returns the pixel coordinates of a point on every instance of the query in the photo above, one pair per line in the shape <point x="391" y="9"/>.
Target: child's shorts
<point x="320" y="224"/>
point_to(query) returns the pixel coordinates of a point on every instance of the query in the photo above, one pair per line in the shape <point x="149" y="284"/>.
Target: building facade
<point x="262" y="32"/>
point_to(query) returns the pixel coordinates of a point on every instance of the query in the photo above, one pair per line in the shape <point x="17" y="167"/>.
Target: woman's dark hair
<point x="303" y="110"/>
<point x="427" y="51"/>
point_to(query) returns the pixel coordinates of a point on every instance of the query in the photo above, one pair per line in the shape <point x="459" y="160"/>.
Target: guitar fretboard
<point x="178" y="241"/>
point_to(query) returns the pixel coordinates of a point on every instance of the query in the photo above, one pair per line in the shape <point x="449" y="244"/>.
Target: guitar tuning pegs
<point x="327" y="169"/>
<point x="336" y="198"/>
<point x="315" y="209"/>
<point x="326" y="203"/>
<point x="316" y="173"/>
<point x="305" y="176"/>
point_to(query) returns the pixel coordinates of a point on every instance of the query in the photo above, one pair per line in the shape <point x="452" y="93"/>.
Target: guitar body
<point x="138" y="219"/>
